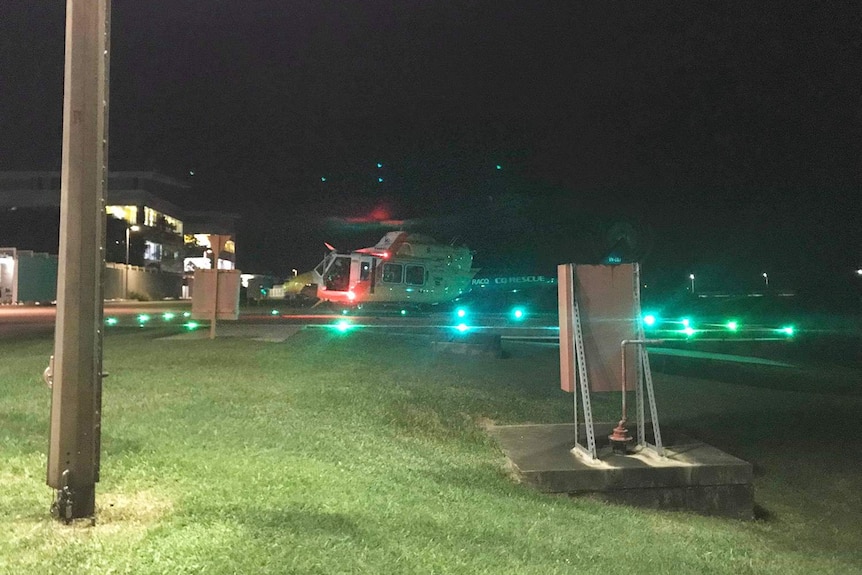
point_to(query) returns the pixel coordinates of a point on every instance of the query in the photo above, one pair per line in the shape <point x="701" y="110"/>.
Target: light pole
<point x="129" y="229"/>
<point x="691" y="277"/>
<point x="766" y="279"/>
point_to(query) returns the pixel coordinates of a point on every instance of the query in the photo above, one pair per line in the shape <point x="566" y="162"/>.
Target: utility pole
<point x="76" y="371"/>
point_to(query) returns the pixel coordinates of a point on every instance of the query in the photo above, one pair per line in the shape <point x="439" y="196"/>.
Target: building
<point x="146" y="231"/>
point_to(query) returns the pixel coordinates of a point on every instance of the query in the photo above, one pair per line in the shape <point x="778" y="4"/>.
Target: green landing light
<point x="273" y="312"/>
<point x="462" y="327"/>
<point x="168" y="316"/>
<point x="788" y="330"/>
<point x="111" y="321"/>
<point x="143" y="318"/>
<point x="343" y="325"/>
<point x="461" y="312"/>
<point x="518" y="313"/>
<point x="732" y="325"/>
<point x="191" y="325"/>
<point x="650" y="320"/>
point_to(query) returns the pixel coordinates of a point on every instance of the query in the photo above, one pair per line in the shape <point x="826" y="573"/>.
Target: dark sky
<point x="725" y="135"/>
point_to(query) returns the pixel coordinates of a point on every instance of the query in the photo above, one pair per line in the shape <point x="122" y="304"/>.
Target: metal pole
<point x="76" y="395"/>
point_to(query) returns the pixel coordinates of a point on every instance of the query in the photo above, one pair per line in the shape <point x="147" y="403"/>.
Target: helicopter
<point x="401" y="268"/>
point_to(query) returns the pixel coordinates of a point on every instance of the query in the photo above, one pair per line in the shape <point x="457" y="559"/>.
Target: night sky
<point x="722" y="138"/>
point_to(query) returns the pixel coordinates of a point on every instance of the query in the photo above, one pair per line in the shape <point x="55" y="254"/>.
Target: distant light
<point x="187" y="314"/>
<point x="351" y="296"/>
<point x="518" y="313"/>
<point x="649" y="320"/>
<point x="691" y="276"/>
<point x="379" y="180"/>
<point x="143" y="318"/>
<point x="499" y="167"/>
<point x="191" y="326"/>
<point x="343" y="326"/>
<point x="462" y="327"/>
<point x="461" y="312"/>
<point x="788" y="330"/>
<point x="403" y="312"/>
<point x="274" y="312"/>
<point x="168" y="316"/>
<point x="689" y="331"/>
<point x="686" y="322"/>
<point x="111" y="321"/>
<point x="323" y="178"/>
<point x="732" y="325"/>
<point x="859" y="272"/>
<point x="379" y="165"/>
<point x="344" y="312"/>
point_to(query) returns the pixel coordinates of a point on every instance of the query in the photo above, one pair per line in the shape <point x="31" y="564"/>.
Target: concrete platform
<point x="693" y="476"/>
<point x="485" y="344"/>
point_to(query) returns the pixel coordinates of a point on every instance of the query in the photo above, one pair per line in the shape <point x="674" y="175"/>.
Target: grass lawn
<point x="364" y="453"/>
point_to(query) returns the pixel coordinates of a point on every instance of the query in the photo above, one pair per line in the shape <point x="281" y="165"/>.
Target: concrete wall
<point x="132" y="282"/>
<point x="32" y="277"/>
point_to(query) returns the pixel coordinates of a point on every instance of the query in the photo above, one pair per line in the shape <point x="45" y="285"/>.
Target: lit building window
<point x="152" y="251"/>
<point x="176" y="224"/>
<point x="151" y="216"/>
<point x="126" y="213"/>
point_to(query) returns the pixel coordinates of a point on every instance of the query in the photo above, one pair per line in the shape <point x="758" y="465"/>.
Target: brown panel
<point x="606" y="301"/>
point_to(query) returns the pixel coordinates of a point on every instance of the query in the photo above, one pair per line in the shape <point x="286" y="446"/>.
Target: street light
<point x="129" y="229"/>
<point x="766" y="279"/>
<point x="691" y="277"/>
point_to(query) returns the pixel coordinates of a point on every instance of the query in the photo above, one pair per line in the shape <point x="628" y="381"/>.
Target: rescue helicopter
<point x="401" y="268"/>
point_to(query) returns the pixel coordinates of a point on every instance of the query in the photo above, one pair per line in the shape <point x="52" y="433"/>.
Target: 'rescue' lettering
<point x="513" y="280"/>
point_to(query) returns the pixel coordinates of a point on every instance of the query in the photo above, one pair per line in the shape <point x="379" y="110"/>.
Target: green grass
<point x="364" y="453"/>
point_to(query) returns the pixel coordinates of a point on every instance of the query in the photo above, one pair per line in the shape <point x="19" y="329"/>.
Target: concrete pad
<point x="692" y="476"/>
<point x="469" y="344"/>
<point x="274" y="333"/>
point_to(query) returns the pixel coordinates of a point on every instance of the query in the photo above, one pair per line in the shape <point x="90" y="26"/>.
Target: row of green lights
<point x="688" y="329"/>
<point x="144" y="318"/>
<point x="516" y="313"/>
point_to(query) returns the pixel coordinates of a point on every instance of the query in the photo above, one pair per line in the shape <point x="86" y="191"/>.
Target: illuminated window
<point x="174" y="223"/>
<point x="393" y="273"/>
<point x="152" y="251"/>
<point x="151" y="216"/>
<point x="364" y="271"/>
<point x="415" y="275"/>
<point x="229" y="247"/>
<point x="125" y="213"/>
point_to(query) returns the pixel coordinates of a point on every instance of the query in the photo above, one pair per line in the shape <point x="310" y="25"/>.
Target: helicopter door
<point x="361" y="272"/>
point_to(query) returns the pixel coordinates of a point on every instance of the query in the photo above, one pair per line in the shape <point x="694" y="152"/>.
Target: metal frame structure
<point x="573" y="349"/>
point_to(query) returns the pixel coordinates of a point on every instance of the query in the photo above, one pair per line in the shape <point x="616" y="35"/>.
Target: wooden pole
<point x="76" y="398"/>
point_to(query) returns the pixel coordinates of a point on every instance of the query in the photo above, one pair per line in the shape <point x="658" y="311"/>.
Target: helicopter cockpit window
<point x="415" y="275"/>
<point x="337" y="277"/>
<point x="392" y="273"/>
